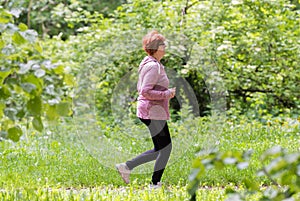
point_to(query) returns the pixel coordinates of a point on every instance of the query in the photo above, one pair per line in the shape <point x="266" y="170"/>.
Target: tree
<point x="31" y="86"/>
<point x="254" y="45"/>
<point x="250" y="47"/>
<point x="50" y="18"/>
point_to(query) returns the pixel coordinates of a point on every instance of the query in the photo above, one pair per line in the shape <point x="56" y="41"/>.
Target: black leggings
<point x="162" y="148"/>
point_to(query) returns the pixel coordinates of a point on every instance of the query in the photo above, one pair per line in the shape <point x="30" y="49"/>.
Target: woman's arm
<point x="148" y="82"/>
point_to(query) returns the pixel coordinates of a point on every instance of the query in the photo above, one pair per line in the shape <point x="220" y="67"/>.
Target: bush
<point x="282" y="170"/>
<point x="31" y="85"/>
<point x="239" y="56"/>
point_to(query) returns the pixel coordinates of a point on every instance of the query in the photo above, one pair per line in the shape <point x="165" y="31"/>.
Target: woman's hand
<point x="173" y="92"/>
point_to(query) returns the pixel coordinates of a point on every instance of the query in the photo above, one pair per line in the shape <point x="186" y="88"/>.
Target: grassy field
<point x="71" y="161"/>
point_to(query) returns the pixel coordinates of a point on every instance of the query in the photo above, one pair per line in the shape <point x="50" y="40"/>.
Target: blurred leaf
<point x="194" y="174"/>
<point x="23" y="27"/>
<point x="229" y="190"/>
<point x="16" y="12"/>
<point x="251" y="185"/>
<point x="193" y="187"/>
<point x="11" y="113"/>
<point x="218" y="164"/>
<point x="34" y="106"/>
<point x="63" y="109"/>
<point x="38" y="83"/>
<point x="230" y="160"/>
<point x="24" y="68"/>
<point x="30" y="35"/>
<point x="4" y="74"/>
<point x="18" y="38"/>
<point x="242" y="165"/>
<point x="2" y="107"/>
<point x="276" y="165"/>
<point x="2" y="43"/>
<point x="247" y="154"/>
<point x="4" y="92"/>
<point x="51" y="113"/>
<point x="38" y="47"/>
<point x="5" y="17"/>
<point x="292" y="158"/>
<point x="59" y="69"/>
<point x="14" y="133"/>
<point x="274" y="151"/>
<point x="287" y="179"/>
<point x="298" y="172"/>
<point x="69" y="80"/>
<point x="21" y="114"/>
<point x="38" y="124"/>
<point x="197" y="163"/>
<point x="28" y="87"/>
<point x="39" y="73"/>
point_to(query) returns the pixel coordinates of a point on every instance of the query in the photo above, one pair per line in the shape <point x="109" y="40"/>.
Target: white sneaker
<point x="157" y="186"/>
<point x="124" y="172"/>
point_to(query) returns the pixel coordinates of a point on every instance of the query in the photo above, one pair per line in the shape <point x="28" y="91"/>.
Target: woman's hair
<point x="151" y="42"/>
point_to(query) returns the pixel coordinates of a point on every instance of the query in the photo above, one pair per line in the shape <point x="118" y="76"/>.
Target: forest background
<point x="74" y="59"/>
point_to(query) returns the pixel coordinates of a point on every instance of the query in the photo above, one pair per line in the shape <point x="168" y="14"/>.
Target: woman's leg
<point x="145" y="157"/>
<point x="163" y="145"/>
<point x="162" y="148"/>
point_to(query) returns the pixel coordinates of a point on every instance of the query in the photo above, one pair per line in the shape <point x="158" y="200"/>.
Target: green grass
<point x="59" y="164"/>
<point x="109" y="193"/>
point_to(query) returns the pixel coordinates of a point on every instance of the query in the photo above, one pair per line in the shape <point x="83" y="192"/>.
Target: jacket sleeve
<point x="148" y="82"/>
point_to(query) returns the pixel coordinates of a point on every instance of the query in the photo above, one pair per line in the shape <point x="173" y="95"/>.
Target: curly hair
<point x="151" y="42"/>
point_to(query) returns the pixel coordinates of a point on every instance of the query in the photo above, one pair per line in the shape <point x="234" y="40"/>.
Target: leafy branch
<point x="282" y="171"/>
<point x="31" y="86"/>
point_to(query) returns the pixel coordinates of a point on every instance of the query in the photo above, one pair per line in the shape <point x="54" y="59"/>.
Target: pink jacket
<point x="154" y="95"/>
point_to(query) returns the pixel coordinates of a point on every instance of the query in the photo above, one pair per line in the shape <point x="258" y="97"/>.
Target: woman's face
<point x="160" y="51"/>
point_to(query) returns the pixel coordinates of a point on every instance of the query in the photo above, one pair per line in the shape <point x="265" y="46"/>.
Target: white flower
<point x="223" y="47"/>
<point x="236" y="2"/>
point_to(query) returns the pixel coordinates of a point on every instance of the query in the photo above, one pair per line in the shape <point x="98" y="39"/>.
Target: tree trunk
<point x="28" y="14"/>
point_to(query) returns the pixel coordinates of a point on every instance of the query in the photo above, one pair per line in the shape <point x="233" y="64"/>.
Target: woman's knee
<point x="167" y="148"/>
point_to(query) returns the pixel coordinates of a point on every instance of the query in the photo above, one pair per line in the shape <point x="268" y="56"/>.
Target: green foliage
<point x="253" y="44"/>
<point x="59" y="17"/>
<point x="214" y="159"/>
<point x="282" y="169"/>
<point x="246" y="52"/>
<point x="250" y="48"/>
<point x="29" y="82"/>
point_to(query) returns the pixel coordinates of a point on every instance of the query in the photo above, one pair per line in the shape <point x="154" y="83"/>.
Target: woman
<point x="153" y="109"/>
